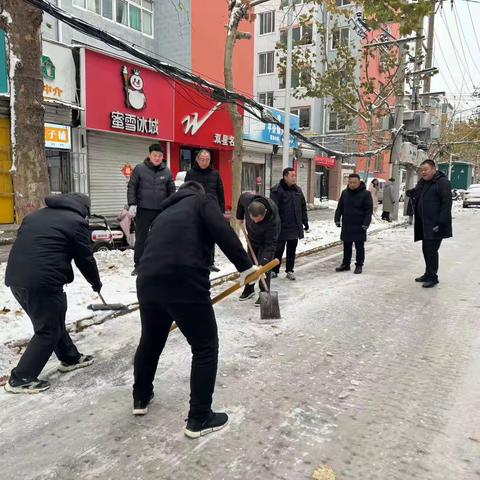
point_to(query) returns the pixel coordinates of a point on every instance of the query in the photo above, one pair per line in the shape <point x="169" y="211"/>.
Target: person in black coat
<point x="292" y="208"/>
<point x="173" y="284"/>
<point x="354" y="214"/>
<point x="38" y="267"/>
<point x="432" y="207"/>
<point x="203" y="173"/>
<point x="263" y="227"/>
<point x="150" y="184"/>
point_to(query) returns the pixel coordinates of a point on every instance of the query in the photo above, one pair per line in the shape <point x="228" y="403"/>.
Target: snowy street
<point x="371" y="375"/>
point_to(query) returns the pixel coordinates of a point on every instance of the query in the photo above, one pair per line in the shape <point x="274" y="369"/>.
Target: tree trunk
<point x="237" y="120"/>
<point x="22" y="24"/>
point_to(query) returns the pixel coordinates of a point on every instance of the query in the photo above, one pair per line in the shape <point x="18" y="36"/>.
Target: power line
<point x="458" y="24"/>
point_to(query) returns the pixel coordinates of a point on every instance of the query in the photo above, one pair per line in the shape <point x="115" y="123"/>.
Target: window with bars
<point x="267" y="22"/>
<point x="266" y="62"/>
<point x="303" y="115"/>
<point x="335" y="121"/>
<point x="340" y="37"/>
<point x="135" y="14"/>
<point x="266" y="98"/>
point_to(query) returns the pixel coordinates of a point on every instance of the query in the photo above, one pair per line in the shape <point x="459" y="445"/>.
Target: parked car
<point x="472" y="196"/>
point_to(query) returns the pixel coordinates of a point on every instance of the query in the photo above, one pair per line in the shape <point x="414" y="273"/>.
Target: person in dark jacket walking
<point x="388" y="200"/>
<point x="354" y="214"/>
<point x="432" y="206"/>
<point x="203" y="173"/>
<point x="263" y="227"/>
<point x="38" y="267"/>
<point x="292" y="208"/>
<point x="150" y="184"/>
<point x="173" y="284"/>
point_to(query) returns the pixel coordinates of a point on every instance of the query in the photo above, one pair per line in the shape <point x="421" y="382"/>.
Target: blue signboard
<point x="257" y="131"/>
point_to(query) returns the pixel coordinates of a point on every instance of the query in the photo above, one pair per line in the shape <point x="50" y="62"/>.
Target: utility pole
<point x="397" y="146"/>
<point x="288" y="87"/>
<point x="429" y="53"/>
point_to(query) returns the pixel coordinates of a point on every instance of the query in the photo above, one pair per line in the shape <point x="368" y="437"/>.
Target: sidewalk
<point x="8" y="233"/>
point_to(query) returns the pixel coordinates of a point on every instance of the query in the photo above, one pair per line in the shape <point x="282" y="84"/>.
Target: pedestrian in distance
<point x="38" y="267"/>
<point x="204" y="173"/>
<point x="374" y="190"/>
<point x="262" y="222"/>
<point x="389" y="199"/>
<point x="150" y="184"/>
<point x="432" y="207"/>
<point x="292" y="209"/>
<point x="173" y="284"/>
<point x="353" y="215"/>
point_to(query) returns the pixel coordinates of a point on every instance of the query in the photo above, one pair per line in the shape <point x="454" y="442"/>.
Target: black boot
<point x="358" y="269"/>
<point x="430" y="283"/>
<point x="422" y="279"/>
<point x="343" y="268"/>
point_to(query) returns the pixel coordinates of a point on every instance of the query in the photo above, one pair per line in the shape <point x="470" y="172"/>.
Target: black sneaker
<point x="83" y="361"/>
<point x="213" y="268"/>
<point x="248" y="292"/>
<point x="274" y="274"/>
<point x="343" y="268"/>
<point x="422" y="279"/>
<point x="430" y="283"/>
<point x="290" y="276"/>
<point x="140" y="407"/>
<point x="257" y="302"/>
<point x="358" y="269"/>
<point x="32" y="386"/>
<point x="198" y="428"/>
<point x="134" y="272"/>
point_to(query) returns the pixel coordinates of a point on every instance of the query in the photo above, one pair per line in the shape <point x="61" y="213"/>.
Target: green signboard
<point x="3" y="63"/>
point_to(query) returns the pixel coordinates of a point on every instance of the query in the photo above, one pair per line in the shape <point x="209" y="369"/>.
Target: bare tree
<point x="22" y="24"/>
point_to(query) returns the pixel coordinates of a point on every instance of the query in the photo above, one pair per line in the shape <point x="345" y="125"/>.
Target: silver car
<point x="472" y="196"/>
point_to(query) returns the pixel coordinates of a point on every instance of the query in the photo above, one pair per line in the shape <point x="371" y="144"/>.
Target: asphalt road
<point x="371" y="375"/>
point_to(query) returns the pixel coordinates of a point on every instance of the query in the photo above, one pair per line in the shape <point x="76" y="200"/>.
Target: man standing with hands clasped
<point x="432" y="207"/>
<point x="150" y="184"/>
<point x="354" y="214"/>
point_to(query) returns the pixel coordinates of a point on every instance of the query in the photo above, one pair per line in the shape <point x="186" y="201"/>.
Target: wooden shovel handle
<point x="252" y="253"/>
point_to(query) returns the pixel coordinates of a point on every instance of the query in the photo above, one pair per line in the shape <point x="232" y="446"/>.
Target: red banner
<point x="328" y="162"/>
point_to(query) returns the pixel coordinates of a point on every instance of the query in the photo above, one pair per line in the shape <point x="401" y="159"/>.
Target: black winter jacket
<point x="149" y="186"/>
<point x="432" y="204"/>
<point x="211" y="181"/>
<point x="354" y="210"/>
<point x="292" y="208"/>
<point x="174" y="265"/>
<point x="263" y="235"/>
<point x="46" y="243"/>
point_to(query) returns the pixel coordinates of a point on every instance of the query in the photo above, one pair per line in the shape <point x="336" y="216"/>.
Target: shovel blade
<point x="269" y="306"/>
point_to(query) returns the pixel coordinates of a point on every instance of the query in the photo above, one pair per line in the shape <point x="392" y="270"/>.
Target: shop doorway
<point x="253" y="178"/>
<point x="59" y="171"/>
<point x="322" y="175"/>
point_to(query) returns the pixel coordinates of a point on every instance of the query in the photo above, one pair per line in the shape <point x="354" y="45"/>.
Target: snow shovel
<point x="250" y="279"/>
<point x="106" y="306"/>
<point x="269" y="306"/>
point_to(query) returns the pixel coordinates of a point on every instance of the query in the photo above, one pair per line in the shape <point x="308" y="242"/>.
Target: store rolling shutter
<point x="107" y="154"/>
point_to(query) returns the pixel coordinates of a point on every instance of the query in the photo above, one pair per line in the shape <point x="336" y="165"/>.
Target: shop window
<point x="303" y="115"/>
<point x="266" y="62"/>
<point x="59" y="171"/>
<point x="266" y="98"/>
<point x="267" y="22"/>
<point x="136" y="14"/>
<point x="253" y="178"/>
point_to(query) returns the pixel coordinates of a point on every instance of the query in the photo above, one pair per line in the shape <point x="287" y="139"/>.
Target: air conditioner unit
<point x="408" y="115"/>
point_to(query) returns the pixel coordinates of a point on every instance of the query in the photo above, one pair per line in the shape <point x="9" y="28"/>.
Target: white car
<point x="472" y="195"/>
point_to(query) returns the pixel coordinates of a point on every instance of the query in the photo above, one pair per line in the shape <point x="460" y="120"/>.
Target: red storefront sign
<point x="124" y="98"/>
<point x="328" y="162"/>
<point x="200" y="121"/>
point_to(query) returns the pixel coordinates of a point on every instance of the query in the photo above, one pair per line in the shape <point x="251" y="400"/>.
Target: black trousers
<point x="386" y="216"/>
<point x="291" y="250"/>
<point x="268" y="276"/>
<point x="430" y="254"/>
<point x="143" y="220"/>
<point x="348" y="250"/>
<point x="46" y="310"/>
<point x="197" y="323"/>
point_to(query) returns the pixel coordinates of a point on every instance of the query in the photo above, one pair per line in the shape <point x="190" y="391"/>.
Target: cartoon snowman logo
<point x="134" y="94"/>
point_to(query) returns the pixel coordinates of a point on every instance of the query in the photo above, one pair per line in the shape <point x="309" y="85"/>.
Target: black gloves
<point x="97" y="287"/>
